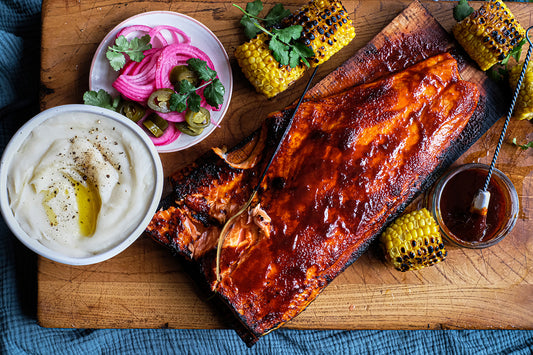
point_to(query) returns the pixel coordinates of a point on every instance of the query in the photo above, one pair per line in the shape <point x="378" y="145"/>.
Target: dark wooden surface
<point x="145" y="287"/>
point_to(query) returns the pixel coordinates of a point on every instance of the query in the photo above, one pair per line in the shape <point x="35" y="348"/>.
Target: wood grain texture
<point x="146" y="287"/>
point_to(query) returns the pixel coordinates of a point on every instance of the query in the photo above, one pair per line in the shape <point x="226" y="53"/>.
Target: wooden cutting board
<point x="146" y="287"/>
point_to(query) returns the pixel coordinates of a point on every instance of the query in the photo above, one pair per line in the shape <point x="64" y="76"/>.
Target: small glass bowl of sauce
<point x="450" y="201"/>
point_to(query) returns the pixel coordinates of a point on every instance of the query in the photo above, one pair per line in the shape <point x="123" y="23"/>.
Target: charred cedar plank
<point x="412" y="36"/>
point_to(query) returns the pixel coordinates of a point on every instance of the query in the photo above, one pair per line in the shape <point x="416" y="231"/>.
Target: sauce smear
<point x="455" y="203"/>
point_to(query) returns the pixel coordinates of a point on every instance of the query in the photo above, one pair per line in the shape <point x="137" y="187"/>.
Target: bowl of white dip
<point x="79" y="183"/>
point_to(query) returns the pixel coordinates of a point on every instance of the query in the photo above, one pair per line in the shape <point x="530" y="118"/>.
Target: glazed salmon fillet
<point x="349" y="163"/>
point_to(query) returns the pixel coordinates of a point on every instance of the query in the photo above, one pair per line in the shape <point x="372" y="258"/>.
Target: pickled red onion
<point x="133" y="28"/>
<point x="137" y="80"/>
<point x="175" y="34"/>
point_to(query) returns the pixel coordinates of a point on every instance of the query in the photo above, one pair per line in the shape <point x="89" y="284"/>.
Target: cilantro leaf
<point x="250" y="28"/>
<point x="116" y="60"/>
<point x="214" y="93"/>
<point x="133" y="48"/>
<point x="137" y="47"/>
<point x="178" y="102"/>
<point x="254" y="8"/>
<point x="201" y="69"/>
<point x="100" y="99"/>
<point x="276" y="14"/>
<point x="303" y="52"/>
<point x="462" y="10"/>
<point x="248" y="20"/>
<point x="193" y="102"/>
<point x="287" y="34"/>
<point x="294" y="59"/>
<point x="286" y="50"/>
<point x="514" y="53"/>
<point x="523" y="146"/>
<point x="280" y="51"/>
<point x="185" y="87"/>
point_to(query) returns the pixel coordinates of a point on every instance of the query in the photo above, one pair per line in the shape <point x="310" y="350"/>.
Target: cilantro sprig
<point x="514" y="53"/>
<point x="250" y="19"/>
<point x="101" y="98"/>
<point x="283" y="42"/>
<point x="134" y="48"/>
<point x="462" y="10"/>
<point x="186" y="95"/>
<point x="523" y="146"/>
<point x="500" y="72"/>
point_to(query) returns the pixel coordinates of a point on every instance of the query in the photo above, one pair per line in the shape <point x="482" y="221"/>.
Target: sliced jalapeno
<point x="182" y="72"/>
<point x="160" y="100"/>
<point x="132" y="110"/>
<point x="185" y="128"/>
<point x="155" y="124"/>
<point x="197" y="120"/>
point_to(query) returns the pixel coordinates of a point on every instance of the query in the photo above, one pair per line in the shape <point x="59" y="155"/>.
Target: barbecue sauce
<point x="456" y="199"/>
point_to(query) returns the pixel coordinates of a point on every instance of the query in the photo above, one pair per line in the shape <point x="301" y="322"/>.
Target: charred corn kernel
<point x="326" y="29"/>
<point x="524" y="103"/>
<point x="489" y="33"/>
<point x="413" y="241"/>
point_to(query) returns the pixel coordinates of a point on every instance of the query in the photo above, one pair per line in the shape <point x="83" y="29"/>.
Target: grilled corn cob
<point x="489" y="33"/>
<point x="524" y="104"/>
<point x="413" y="241"/>
<point x="326" y="29"/>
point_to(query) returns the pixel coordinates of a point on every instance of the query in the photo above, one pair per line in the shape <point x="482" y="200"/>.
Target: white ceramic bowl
<point x="135" y="226"/>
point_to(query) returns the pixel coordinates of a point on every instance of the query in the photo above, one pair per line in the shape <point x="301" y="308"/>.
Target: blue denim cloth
<point x="20" y="333"/>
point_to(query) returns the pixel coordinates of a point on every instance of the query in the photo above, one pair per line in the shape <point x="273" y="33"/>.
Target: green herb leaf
<point x="303" y="52"/>
<point x="462" y="10"/>
<point x="294" y="59"/>
<point x="100" y="99"/>
<point x="254" y="8"/>
<point x="515" y="53"/>
<point x="280" y="51"/>
<point x="523" y="146"/>
<point x="286" y="50"/>
<point x="185" y="87"/>
<point x="248" y="20"/>
<point x="178" y="102"/>
<point x="287" y="34"/>
<point x="276" y="14"/>
<point x="214" y="93"/>
<point x="201" y="69"/>
<point x="134" y="49"/>
<point x="250" y="28"/>
<point x="116" y="60"/>
<point x="193" y="102"/>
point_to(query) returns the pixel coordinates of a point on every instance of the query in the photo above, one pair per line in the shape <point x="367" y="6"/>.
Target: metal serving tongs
<point x="480" y="204"/>
<point x="230" y="221"/>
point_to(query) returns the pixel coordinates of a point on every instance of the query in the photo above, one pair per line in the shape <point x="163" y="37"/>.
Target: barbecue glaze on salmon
<point x="349" y="163"/>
